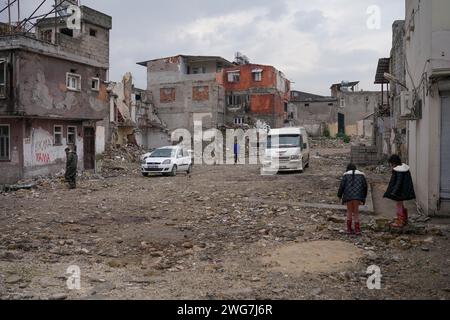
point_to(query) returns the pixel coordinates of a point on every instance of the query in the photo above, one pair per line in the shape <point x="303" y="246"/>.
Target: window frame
<point x="342" y="102"/>
<point x="59" y="133"/>
<point x="68" y="83"/>
<point x="257" y="75"/>
<point x="5" y="81"/>
<point x="8" y="158"/>
<point x="97" y="88"/>
<point x="234" y="76"/>
<point x="70" y="133"/>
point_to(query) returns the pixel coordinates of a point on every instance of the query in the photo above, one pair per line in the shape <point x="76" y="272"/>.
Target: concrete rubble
<point x="205" y="236"/>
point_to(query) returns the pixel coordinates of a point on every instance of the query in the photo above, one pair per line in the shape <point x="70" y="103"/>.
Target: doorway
<point x="89" y="148"/>
<point x="341" y="123"/>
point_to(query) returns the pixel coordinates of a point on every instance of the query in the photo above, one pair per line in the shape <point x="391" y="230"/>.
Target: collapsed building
<point x="52" y="93"/>
<point x="132" y="117"/>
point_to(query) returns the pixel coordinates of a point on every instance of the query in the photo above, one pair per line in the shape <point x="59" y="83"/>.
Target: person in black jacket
<point x="401" y="188"/>
<point x="353" y="192"/>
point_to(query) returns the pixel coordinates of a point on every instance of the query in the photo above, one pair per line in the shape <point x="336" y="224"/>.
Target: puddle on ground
<point x="314" y="257"/>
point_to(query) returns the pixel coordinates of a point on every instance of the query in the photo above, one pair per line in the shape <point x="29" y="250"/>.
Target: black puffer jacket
<point x="353" y="187"/>
<point x="401" y="187"/>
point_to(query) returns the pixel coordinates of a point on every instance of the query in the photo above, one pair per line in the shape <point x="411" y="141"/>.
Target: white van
<point x="287" y="150"/>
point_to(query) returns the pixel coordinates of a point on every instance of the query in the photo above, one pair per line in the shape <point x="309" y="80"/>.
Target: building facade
<point x="256" y="95"/>
<point x="52" y="94"/>
<point x="354" y="105"/>
<point x="186" y="88"/>
<point x="313" y="112"/>
<point x="427" y="61"/>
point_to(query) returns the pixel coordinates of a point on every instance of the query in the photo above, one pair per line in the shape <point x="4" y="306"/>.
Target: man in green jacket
<point x="71" y="168"/>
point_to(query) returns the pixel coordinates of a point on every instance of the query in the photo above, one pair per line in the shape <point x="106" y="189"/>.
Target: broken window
<point x="66" y="31"/>
<point x="2" y="78"/>
<point x="73" y="81"/>
<point x="234" y="76"/>
<point x="93" y="32"/>
<point x="95" y="84"/>
<point x="342" y="102"/>
<point x="47" y="35"/>
<point x="71" y="135"/>
<point x="4" y="142"/>
<point x="57" y="135"/>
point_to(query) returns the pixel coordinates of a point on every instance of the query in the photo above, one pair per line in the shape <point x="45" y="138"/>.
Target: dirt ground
<point x="223" y="232"/>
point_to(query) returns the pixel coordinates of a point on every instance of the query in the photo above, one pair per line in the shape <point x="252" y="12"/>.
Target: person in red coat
<point x="401" y="189"/>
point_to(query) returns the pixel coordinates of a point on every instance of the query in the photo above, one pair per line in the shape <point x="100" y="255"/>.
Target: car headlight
<point x="167" y="162"/>
<point x="295" y="157"/>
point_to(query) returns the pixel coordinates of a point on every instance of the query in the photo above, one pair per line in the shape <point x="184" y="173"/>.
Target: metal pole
<point x="18" y="11"/>
<point x="56" y="23"/>
<point x="9" y="15"/>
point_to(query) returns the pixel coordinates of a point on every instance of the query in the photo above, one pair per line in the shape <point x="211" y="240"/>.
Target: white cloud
<point x="315" y="43"/>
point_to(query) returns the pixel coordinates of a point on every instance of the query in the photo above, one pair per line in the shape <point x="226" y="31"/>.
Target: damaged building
<point x="185" y="88"/>
<point x="132" y="117"/>
<point x="52" y="94"/>
<point x="255" y="94"/>
<point x="357" y="108"/>
<point x="315" y="113"/>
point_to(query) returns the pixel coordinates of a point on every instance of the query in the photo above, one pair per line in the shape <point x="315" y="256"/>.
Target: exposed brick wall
<point x="362" y="155"/>
<point x="200" y="93"/>
<point x="247" y="81"/>
<point x="262" y="104"/>
<point x="167" y="95"/>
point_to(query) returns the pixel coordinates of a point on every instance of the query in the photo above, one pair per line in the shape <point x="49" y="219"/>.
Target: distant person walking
<point x="71" y="167"/>
<point x="353" y="192"/>
<point x="237" y="149"/>
<point x="401" y="188"/>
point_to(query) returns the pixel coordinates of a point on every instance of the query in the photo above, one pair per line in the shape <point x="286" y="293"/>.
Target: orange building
<point x="255" y="93"/>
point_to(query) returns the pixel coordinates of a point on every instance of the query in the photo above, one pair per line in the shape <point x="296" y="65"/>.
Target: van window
<point x="285" y="141"/>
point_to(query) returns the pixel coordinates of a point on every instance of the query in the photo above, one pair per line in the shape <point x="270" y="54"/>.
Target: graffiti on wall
<point x="41" y="151"/>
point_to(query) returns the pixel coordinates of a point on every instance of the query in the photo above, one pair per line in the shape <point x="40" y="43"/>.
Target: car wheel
<point x="173" y="173"/>
<point x="145" y="174"/>
<point x="189" y="170"/>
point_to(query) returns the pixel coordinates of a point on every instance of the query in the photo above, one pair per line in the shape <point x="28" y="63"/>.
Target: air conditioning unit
<point x="406" y="104"/>
<point x="411" y="109"/>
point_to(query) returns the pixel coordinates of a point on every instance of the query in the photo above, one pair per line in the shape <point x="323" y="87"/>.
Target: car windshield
<point x="162" y="153"/>
<point x="284" y="141"/>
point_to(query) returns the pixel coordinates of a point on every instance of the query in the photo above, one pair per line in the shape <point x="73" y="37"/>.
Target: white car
<point x="166" y="161"/>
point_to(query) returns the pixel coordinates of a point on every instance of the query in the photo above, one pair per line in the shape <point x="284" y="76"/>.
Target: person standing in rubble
<point x="353" y="192"/>
<point x="71" y="167"/>
<point x="401" y="188"/>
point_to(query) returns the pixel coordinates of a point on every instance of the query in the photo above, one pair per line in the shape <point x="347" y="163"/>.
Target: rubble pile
<point x="120" y="160"/>
<point x="328" y="143"/>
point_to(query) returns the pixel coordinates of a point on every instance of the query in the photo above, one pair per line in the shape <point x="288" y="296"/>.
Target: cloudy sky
<point x="314" y="42"/>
